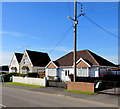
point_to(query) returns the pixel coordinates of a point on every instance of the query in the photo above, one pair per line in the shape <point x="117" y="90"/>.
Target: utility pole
<point x="75" y="38"/>
<point x="75" y="35"/>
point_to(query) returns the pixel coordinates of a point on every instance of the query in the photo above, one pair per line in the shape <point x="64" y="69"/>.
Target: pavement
<point x="102" y="98"/>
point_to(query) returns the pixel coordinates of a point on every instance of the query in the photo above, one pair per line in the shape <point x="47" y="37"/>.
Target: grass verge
<point x="22" y="84"/>
<point x="74" y="91"/>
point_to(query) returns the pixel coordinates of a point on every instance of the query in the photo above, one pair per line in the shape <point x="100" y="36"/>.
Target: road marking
<point x="66" y="96"/>
<point x="2" y="105"/>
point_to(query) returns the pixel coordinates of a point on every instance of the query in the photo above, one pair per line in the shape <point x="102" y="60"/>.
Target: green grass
<point x="75" y="91"/>
<point x="22" y="84"/>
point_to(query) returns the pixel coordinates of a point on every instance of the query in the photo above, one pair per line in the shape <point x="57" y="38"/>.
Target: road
<point x="12" y="97"/>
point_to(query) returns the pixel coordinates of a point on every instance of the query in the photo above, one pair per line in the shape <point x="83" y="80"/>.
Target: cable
<point x="65" y="34"/>
<point x="98" y="8"/>
<point x="101" y="27"/>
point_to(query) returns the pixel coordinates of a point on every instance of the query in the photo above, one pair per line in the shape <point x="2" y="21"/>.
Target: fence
<point x="28" y="80"/>
<point x="57" y="84"/>
<point x="110" y="87"/>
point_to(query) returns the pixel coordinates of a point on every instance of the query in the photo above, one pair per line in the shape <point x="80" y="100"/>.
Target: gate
<point x="108" y="87"/>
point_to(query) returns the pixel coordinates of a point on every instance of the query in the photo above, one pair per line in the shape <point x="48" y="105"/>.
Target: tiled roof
<point x="19" y="56"/>
<point x="38" y="58"/>
<point x="87" y="55"/>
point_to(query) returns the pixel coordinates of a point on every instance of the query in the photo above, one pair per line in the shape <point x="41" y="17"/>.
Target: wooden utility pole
<point x="75" y="35"/>
<point x="75" y="38"/>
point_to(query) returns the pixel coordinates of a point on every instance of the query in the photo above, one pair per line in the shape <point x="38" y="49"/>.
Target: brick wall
<point x="80" y="86"/>
<point x="82" y="64"/>
<point x="51" y="66"/>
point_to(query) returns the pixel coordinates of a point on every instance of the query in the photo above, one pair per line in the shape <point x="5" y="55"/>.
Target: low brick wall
<point x="81" y="86"/>
<point x="28" y="80"/>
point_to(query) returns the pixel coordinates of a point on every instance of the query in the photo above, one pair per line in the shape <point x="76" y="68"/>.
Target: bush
<point x="34" y="74"/>
<point x="7" y="77"/>
<point x="41" y="76"/>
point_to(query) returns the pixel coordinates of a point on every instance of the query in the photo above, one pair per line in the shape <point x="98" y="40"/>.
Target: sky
<point x="44" y="27"/>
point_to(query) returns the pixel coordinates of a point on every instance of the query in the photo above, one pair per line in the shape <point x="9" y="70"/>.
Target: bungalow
<point x="33" y="61"/>
<point x="88" y="63"/>
<point x="15" y="62"/>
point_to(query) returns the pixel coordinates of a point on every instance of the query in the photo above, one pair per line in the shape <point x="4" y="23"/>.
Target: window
<point x="67" y="72"/>
<point x="25" y="70"/>
<point x="82" y="72"/>
<point x="52" y="72"/>
<point x="25" y="61"/>
<point x="13" y="69"/>
<point x="40" y="70"/>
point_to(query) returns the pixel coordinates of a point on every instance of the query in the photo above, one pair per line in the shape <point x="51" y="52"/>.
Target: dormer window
<point x="25" y="61"/>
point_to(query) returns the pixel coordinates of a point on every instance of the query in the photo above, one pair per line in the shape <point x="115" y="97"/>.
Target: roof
<point x="90" y="57"/>
<point x="19" y="56"/>
<point x="38" y="58"/>
<point x="4" y="68"/>
<point x="114" y="69"/>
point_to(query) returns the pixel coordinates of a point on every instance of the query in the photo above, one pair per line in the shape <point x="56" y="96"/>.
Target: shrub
<point x="7" y="77"/>
<point x="32" y="74"/>
<point x="41" y="76"/>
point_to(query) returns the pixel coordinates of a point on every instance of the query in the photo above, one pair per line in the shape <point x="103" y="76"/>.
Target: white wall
<point x="14" y="63"/>
<point x="35" y="69"/>
<point x="28" y="80"/>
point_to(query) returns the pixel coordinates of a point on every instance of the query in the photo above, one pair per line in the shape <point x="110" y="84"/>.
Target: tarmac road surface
<point x="12" y="97"/>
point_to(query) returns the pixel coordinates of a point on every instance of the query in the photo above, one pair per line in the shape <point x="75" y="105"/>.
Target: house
<point x="88" y="64"/>
<point x="15" y="62"/>
<point x="33" y="61"/>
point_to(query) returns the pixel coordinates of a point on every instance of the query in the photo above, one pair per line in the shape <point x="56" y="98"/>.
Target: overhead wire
<point x="64" y="35"/>
<point x="101" y="27"/>
<point x="98" y="8"/>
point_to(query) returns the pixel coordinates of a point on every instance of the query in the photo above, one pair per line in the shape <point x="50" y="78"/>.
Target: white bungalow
<point x="88" y="63"/>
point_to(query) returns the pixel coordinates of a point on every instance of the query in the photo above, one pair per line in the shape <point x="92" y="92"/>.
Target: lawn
<point x="22" y="84"/>
<point x="74" y="91"/>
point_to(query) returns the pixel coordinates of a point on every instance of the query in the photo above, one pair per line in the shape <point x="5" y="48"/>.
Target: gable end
<point x="82" y="64"/>
<point x="51" y="65"/>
